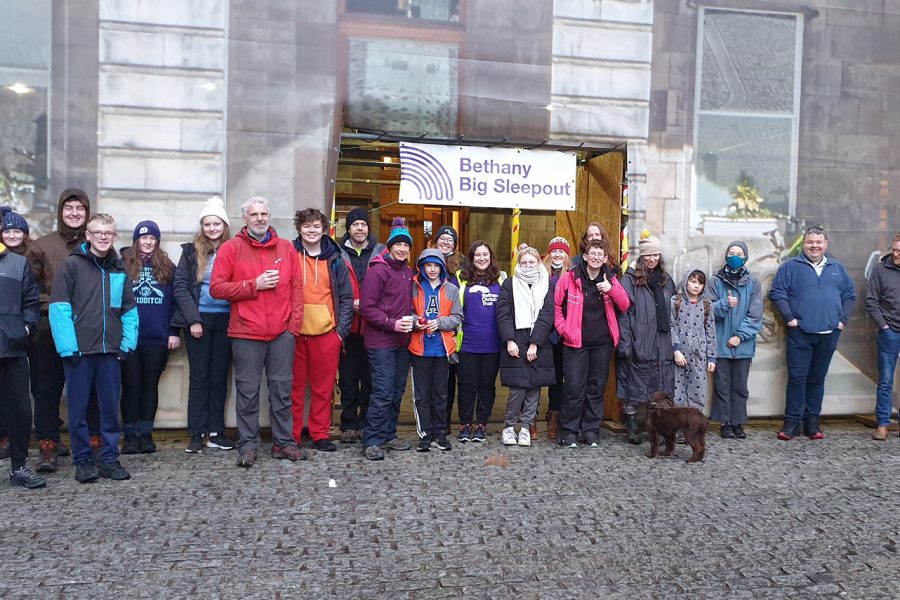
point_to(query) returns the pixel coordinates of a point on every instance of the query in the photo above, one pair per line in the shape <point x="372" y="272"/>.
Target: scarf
<point x="529" y="289"/>
<point x="146" y="258"/>
<point x="734" y="274"/>
<point x="654" y="282"/>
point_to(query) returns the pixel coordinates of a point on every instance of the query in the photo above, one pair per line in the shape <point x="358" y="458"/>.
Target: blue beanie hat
<point x="12" y="220"/>
<point x="399" y="233"/>
<point x="145" y="228"/>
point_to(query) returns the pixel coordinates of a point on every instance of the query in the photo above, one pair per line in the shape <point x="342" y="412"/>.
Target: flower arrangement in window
<point x="748" y="203"/>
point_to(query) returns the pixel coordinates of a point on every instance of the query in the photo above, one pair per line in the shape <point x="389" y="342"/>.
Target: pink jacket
<point x="568" y="292"/>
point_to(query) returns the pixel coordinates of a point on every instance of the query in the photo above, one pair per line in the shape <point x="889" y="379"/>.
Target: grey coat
<point x="883" y="294"/>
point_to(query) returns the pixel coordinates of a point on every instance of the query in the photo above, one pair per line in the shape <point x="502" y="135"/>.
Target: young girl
<point x="693" y="340"/>
<point x="151" y="272"/>
<point x="479" y="356"/>
<point x="208" y="346"/>
<point x="525" y="319"/>
<point x="558" y="262"/>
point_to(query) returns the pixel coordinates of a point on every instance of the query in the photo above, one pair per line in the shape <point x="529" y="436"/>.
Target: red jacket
<point x="259" y="315"/>
<point x="569" y="292"/>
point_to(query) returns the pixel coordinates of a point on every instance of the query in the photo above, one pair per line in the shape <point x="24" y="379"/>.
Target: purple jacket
<point x="385" y="296"/>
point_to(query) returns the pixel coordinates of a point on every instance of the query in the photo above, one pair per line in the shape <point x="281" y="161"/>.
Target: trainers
<point x="4" y="447"/>
<point x="398" y="444"/>
<point x="789" y="431"/>
<point x="480" y="433"/>
<point x="442" y="443"/>
<point x="726" y="431"/>
<point x="113" y="470"/>
<point x="218" y="440"/>
<point x="508" y="436"/>
<point x="465" y="433"/>
<point x="23" y="477"/>
<point x="47" y="462"/>
<point x="524" y="436"/>
<point x="86" y="473"/>
<point x="146" y="443"/>
<point x="130" y="444"/>
<point x="324" y="445"/>
<point x="739" y="432"/>
<point x="195" y="446"/>
<point x="348" y="436"/>
<point x="812" y="431"/>
<point x="374" y="453"/>
<point x="246" y="459"/>
<point x="424" y="444"/>
<point x="591" y="441"/>
<point x="291" y="453"/>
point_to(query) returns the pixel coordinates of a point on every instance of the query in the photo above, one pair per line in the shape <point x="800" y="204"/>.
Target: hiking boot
<point x="480" y="433"/>
<point x="739" y="432"/>
<point x="726" y="431"/>
<point x="552" y="424"/>
<point x="424" y="444"/>
<point x="23" y="477"/>
<point x="532" y="431"/>
<point x="195" y="446"/>
<point x="113" y="470"/>
<point x="130" y="444"/>
<point x="348" y="436"/>
<point x="398" y="444"/>
<point x="508" y="436"/>
<point x="86" y="473"/>
<point x="146" y="444"/>
<point x="324" y="445"/>
<point x="525" y="436"/>
<point x="96" y="444"/>
<point x="374" y="453"/>
<point x="218" y="440"/>
<point x="881" y="433"/>
<point x="47" y="462"/>
<point x="442" y="443"/>
<point x="465" y="433"/>
<point x="632" y="436"/>
<point x="4" y="447"/>
<point x="291" y="453"/>
<point x="246" y="459"/>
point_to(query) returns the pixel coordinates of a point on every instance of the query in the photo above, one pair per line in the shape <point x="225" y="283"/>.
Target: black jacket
<point x="19" y="303"/>
<point x="518" y="372"/>
<point x="186" y="288"/>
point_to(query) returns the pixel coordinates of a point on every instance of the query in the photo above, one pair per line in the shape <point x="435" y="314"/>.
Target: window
<point x="433" y="10"/>
<point x="746" y="111"/>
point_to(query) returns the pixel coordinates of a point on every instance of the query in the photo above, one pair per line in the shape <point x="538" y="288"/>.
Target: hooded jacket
<point x="743" y="321"/>
<point x="47" y="254"/>
<point x="818" y="302"/>
<point x="693" y="324"/>
<point x="450" y="312"/>
<point x="385" y="296"/>
<point x="569" y="307"/>
<point x="92" y="308"/>
<point x="18" y="303"/>
<point x="883" y="294"/>
<point x="259" y="314"/>
<point x="338" y="280"/>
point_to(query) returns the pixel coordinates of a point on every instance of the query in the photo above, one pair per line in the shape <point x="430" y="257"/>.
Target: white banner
<point x="486" y="177"/>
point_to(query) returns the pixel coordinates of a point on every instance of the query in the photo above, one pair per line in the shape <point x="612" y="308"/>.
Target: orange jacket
<point x="450" y="316"/>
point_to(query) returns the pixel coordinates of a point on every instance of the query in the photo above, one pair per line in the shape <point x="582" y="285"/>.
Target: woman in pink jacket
<point x="586" y="300"/>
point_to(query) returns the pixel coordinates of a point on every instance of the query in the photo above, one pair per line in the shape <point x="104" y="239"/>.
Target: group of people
<point x="102" y="323"/>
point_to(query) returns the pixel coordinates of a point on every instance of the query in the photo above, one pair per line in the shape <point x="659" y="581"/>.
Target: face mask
<point x="734" y="262"/>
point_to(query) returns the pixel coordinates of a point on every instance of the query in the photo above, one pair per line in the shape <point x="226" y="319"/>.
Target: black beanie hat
<point x="449" y="231"/>
<point x="357" y="214"/>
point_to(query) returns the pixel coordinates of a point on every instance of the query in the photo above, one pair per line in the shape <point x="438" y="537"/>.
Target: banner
<point x="486" y="177"/>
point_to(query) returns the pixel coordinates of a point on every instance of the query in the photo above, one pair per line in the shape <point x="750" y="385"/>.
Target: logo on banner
<point x="426" y="174"/>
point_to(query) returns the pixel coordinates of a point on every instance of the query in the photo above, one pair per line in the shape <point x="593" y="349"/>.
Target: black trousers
<point x="16" y="402"/>
<point x="451" y="391"/>
<point x="586" y="373"/>
<point x="209" y="357"/>
<point x="429" y="378"/>
<point x="477" y="378"/>
<point x="140" y="387"/>
<point x="555" y="392"/>
<point x="355" y="383"/>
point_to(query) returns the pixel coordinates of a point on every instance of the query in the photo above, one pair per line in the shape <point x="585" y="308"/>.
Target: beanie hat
<point x="449" y="231"/>
<point x="740" y="245"/>
<point x="214" y="207"/>
<point x="12" y="220"/>
<point x="357" y="214"/>
<point x="648" y="244"/>
<point x="399" y="233"/>
<point x="559" y="243"/>
<point x="145" y="228"/>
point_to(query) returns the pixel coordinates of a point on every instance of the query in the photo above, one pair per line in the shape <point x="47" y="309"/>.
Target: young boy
<point x="433" y="345"/>
<point x="95" y="324"/>
<point x="693" y="340"/>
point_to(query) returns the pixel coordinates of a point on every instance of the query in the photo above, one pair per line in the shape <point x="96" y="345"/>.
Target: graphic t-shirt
<point x="154" y="306"/>
<point x="480" y="332"/>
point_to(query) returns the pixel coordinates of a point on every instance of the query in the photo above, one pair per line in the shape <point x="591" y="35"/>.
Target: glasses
<point x="815" y="230"/>
<point x="103" y="235"/>
<point x="597" y="255"/>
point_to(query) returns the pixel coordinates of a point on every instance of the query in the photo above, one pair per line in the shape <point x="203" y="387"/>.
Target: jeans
<point x="888" y="342"/>
<point x="808" y="358"/>
<point x="390" y="370"/>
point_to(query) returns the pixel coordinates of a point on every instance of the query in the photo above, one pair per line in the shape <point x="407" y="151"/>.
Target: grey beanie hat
<point x="740" y="245"/>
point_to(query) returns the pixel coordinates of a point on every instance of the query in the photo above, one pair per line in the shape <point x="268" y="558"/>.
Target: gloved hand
<point x="123" y="355"/>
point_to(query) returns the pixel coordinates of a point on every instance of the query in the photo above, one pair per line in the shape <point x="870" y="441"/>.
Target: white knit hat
<point x="214" y="207"/>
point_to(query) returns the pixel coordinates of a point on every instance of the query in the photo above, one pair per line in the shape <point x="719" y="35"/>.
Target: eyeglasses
<point x="103" y="235"/>
<point x="597" y="255"/>
<point x="814" y="229"/>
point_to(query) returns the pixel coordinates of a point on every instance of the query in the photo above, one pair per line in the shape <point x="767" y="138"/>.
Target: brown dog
<point x="665" y="419"/>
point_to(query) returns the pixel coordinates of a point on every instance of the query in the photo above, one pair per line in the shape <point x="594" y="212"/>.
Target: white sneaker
<point x="508" y="437"/>
<point x="524" y="436"/>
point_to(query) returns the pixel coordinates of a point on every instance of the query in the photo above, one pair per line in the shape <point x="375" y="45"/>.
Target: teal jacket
<point x="744" y="320"/>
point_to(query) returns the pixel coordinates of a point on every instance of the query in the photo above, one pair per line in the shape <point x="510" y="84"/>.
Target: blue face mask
<point x="734" y="262"/>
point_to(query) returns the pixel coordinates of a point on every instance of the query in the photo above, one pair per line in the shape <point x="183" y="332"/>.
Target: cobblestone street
<point x="758" y="518"/>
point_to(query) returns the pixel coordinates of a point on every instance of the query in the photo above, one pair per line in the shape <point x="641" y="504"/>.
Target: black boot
<point x="146" y="444"/>
<point x="130" y="444"/>
<point x="631" y="424"/>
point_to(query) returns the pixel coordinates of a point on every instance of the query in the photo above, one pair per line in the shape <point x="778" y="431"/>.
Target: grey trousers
<point x="250" y="357"/>
<point x="522" y="406"/>
<point x="730" y="401"/>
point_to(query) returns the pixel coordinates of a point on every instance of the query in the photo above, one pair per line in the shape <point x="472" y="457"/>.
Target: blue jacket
<point x="744" y="320"/>
<point x="818" y="303"/>
<point x="18" y="304"/>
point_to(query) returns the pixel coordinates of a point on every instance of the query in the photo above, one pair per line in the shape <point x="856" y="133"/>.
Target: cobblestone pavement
<point x="758" y="519"/>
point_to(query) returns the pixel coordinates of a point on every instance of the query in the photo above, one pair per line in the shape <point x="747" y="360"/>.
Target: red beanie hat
<point x="559" y="243"/>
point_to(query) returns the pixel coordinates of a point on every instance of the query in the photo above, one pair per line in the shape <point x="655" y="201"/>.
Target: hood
<point x="328" y="247"/>
<point x="682" y="282"/>
<point x="431" y="255"/>
<point x="65" y="231"/>
<point x="888" y="262"/>
<point x="245" y="235"/>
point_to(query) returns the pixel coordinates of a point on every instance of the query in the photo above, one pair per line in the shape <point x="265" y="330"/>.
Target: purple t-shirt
<point x="480" y="333"/>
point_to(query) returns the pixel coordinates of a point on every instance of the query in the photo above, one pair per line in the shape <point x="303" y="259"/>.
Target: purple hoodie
<point x="386" y="295"/>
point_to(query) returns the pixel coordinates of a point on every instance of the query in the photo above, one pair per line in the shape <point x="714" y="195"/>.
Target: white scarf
<point x="529" y="291"/>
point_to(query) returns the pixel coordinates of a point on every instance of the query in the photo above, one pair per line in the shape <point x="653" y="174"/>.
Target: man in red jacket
<point x="259" y="273"/>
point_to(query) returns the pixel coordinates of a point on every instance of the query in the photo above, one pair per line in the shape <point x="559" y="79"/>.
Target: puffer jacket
<point x="18" y="303"/>
<point x="519" y="372"/>
<point x="744" y="320"/>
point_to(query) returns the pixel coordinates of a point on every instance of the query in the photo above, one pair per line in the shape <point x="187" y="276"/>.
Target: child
<point x="151" y="273"/>
<point x="693" y="340"/>
<point x="95" y="324"/>
<point x="433" y="346"/>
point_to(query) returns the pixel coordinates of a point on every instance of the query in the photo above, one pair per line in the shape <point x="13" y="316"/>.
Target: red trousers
<point x="315" y="364"/>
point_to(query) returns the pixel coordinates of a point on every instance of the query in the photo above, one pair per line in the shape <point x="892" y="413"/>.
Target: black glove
<point x="123" y="355"/>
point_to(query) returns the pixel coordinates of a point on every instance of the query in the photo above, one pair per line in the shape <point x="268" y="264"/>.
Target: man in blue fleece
<point x="815" y="297"/>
